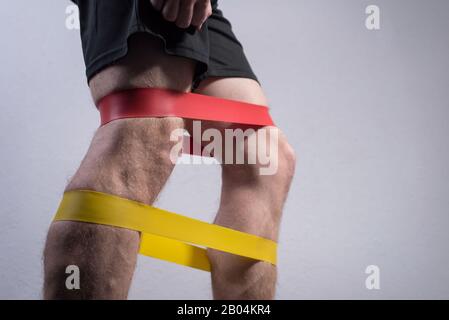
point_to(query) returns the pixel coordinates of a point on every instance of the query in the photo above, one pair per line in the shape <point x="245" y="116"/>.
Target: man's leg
<point x="128" y="158"/>
<point x="250" y="202"/>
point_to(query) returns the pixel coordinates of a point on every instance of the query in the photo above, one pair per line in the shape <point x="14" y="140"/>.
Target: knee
<point x="145" y="135"/>
<point x="135" y="142"/>
<point x="282" y="172"/>
<point x="129" y="157"/>
<point x="287" y="158"/>
<point x="276" y="164"/>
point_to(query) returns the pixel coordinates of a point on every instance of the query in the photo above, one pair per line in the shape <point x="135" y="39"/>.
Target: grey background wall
<point x="367" y="112"/>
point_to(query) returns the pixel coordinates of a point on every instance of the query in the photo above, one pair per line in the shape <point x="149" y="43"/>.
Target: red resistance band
<point x="152" y="102"/>
<point x="138" y="103"/>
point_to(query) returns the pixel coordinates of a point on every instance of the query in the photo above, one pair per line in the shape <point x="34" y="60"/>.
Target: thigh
<point x="136" y="149"/>
<point x="233" y="88"/>
<point x="146" y="65"/>
<point x="238" y="89"/>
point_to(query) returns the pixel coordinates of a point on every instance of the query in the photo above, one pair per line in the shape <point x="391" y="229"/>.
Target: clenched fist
<point x="184" y="13"/>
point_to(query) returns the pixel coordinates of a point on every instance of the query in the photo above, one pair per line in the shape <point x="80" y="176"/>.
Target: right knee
<point x="129" y="158"/>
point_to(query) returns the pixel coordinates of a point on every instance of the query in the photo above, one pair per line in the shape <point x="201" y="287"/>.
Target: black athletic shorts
<point x="106" y="26"/>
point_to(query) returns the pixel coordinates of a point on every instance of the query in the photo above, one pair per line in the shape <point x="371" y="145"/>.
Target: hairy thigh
<point x="146" y="65"/>
<point x="134" y="153"/>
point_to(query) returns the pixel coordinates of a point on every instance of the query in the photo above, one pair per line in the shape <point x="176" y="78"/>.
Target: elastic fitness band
<point x="144" y="103"/>
<point x="166" y="235"/>
<point x="163" y="231"/>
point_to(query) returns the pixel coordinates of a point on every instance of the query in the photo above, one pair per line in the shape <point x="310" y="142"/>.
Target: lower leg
<point x="128" y="158"/>
<point x="250" y="203"/>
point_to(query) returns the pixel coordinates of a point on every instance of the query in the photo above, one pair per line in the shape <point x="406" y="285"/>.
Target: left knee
<point x="277" y="165"/>
<point x="286" y="158"/>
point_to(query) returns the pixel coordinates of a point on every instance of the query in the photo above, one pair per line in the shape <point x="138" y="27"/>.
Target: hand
<point x="184" y="13"/>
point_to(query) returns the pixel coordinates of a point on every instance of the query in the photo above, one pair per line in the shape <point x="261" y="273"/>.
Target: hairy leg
<point x="250" y="202"/>
<point x="128" y="158"/>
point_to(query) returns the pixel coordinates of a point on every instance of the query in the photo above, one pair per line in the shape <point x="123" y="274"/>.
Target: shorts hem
<point x="110" y="57"/>
<point x="226" y="73"/>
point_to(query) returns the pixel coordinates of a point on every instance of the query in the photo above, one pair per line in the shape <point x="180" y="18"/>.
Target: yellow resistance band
<point x="164" y="235"/>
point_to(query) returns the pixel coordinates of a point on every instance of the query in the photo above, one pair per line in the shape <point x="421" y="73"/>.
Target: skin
<point x="249" y="202"/>
<point x="130" y="158"/>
